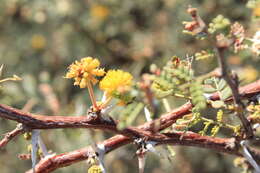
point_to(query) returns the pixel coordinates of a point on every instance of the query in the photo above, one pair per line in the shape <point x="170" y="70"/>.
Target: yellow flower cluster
<point x="116" y="81"/>
<point x="85" y="71"/>
<point x="115" y="84"/>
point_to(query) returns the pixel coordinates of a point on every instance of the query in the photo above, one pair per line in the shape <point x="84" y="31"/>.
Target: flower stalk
<point x="92" y="96"/>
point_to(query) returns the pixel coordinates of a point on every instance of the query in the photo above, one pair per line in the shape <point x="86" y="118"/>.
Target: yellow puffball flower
<point x="85" y="71"/>
<point x="116" y="81"/>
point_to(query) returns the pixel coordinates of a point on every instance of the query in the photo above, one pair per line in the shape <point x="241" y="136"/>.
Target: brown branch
<point x="233" y="84"/>
<point x="11" y="135"/>
<point x="34" y="121"/>
<point x="219" y="144"/>
<point x="50" y="122"/>
<point x="52" y="163"/>
<point x="226" y="145"/>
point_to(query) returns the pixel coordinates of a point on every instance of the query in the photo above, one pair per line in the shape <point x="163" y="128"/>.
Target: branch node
<point x="20" y="128"/>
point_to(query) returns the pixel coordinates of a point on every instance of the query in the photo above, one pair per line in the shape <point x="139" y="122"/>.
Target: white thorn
<point x="249" y="157"/>
<point x="35" y="145"/>
<point x="255" y="126"/>
<point x="147" y="114"/>
<point x="101" y="150"/>
<point x="150" y="146"/>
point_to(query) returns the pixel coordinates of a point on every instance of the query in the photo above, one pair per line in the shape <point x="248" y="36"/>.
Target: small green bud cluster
<point x="218" y="23"/>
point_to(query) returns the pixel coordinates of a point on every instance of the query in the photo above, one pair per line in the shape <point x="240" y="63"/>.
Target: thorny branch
<point x="33" y="121"/>
<point x="234" y="84"/>
<point x="226" y="145"/>
<point x="11" y="135"/>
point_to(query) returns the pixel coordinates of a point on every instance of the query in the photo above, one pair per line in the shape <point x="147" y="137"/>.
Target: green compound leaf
<point x="226" y="93"/>
<point x="129" y="114"/>
<point x="175" y="74"/>
<point x="197" y="97"/>
<point x="217" y="85"/>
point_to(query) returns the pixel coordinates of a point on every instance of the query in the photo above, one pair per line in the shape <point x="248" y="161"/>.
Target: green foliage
<point x="210" y="126"/>
<point x="187" y="121"/>
<point x="42" y="37"/>
<point x="129" y="114"/>
<point x="162" y="88"/>
<point x="177" y="79"/>
<point x="174" y="74"/>
<point x="213" y="85"/>
<point x="197" y="97"/>
<point x="218" y="124"/>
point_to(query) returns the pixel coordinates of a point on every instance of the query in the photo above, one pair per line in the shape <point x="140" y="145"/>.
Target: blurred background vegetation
<point x="39" y="39"/>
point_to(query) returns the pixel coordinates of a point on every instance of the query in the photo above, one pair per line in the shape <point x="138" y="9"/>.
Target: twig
<point x="233" y="84"/>
<point x="11" y="135"/>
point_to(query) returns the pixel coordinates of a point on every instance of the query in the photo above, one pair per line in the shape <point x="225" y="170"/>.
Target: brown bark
<point x="32" y="121"/>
